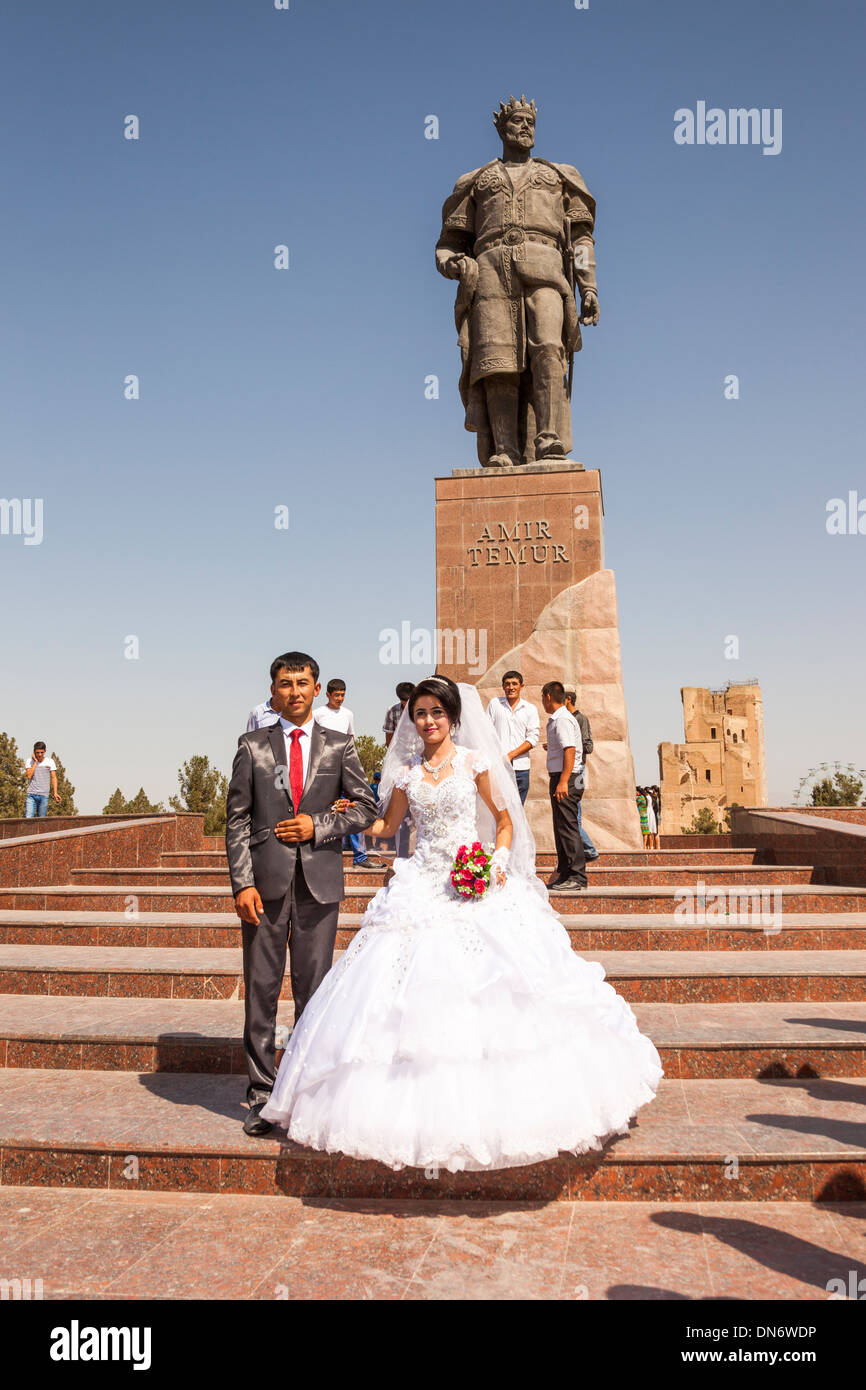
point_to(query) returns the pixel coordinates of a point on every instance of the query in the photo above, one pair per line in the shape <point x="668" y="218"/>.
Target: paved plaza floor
<point x="119" y="1245"/>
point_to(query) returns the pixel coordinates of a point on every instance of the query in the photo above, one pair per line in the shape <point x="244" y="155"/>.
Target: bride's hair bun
<point x="441" y="688"/>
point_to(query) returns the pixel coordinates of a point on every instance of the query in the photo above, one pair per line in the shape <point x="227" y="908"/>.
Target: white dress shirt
<point x="515" y="726"/>
<point x="342" y="719"/>
<point x="307" y="730"/>
<point x="563" y="731"/>
<point x="261" y="716"/>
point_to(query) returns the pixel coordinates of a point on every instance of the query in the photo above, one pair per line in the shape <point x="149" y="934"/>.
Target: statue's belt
<point x="513" y="236"/>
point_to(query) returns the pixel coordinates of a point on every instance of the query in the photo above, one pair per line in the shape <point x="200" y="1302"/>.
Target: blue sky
<point x="305" y="388"/>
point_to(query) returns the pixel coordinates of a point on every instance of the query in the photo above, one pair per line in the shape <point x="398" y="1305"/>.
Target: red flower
<point x="477" y="844"/>
<point x="479" y="885"/>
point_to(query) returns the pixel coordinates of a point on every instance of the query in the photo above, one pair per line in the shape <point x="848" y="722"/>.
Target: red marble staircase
<point x="121" y="1013"/>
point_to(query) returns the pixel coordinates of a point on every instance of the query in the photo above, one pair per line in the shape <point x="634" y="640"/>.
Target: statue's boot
<point x="502" y="395"/>
<point x="547" y="392"/>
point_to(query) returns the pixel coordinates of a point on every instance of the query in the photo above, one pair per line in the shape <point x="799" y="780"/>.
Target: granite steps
<point x="639" y="976"/>
<point x="734" y="1140"/>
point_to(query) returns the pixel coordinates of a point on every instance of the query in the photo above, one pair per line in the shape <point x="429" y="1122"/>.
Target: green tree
<point x="66" y="805"/>
<point x="704" y="823"/>
<point x="12" y="784"/>
<point x="117" y="804"/>
<point x="734" y="806"/>
<point x="140" y="804"/>
<point x="844" y="790"/>
<point x="371" y="753"/>
<point x="204" y="789"/>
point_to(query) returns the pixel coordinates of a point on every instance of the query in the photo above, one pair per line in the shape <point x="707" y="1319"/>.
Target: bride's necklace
<point x="435" y="771"/>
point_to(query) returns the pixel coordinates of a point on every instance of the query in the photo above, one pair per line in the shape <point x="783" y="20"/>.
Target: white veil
<point x="474" y="731"/>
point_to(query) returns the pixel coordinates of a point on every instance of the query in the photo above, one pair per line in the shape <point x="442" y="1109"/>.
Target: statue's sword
<point x="570" y="276"/>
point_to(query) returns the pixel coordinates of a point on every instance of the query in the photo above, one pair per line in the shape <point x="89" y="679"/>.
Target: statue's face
<point x="520" y="130"/>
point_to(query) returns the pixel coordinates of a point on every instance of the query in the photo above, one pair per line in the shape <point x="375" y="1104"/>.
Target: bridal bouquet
<point x="470" y="872"/>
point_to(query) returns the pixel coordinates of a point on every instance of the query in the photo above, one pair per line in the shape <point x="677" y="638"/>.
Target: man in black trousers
<point x="284" y="845"/>
<point x="564" y="757"/>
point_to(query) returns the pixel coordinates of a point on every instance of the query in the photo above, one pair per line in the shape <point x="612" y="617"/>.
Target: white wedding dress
<point x="460" y="1034"/>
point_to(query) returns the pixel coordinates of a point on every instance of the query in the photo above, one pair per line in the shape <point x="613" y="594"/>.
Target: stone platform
<point x="121" y="1094"/>
<point x="91" y="1244"/>
<point x="520" y="580"/>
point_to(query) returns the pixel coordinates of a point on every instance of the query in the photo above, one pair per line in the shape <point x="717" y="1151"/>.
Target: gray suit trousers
<point x="309" y="929"/>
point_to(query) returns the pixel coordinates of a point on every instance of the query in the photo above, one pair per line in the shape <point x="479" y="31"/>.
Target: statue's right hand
<point x="248" y="906"/>
<point x="453" y="269"/>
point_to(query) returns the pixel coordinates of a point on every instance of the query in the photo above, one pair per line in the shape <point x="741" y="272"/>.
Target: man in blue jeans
<point x="517" y="726"/>
<point x="589" y="849"/>
<point x="337" y="715"/>
<point x="41" y="776"/>
<point x="392" y="719"/>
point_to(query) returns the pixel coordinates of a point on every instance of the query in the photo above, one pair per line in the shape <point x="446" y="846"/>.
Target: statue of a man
<point x="517" y="234"/>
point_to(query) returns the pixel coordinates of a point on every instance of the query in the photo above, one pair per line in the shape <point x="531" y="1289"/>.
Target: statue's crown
<point x="523" y="106"/>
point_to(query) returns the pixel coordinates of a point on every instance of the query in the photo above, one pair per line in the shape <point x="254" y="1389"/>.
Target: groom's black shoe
<point x="253" y="1124"/>
<point x="569" y="885"/>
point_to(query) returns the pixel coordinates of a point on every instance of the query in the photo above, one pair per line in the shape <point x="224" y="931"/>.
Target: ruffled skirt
<point x="464" y="1036"/>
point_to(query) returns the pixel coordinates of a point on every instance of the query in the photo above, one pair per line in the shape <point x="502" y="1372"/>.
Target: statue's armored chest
<point x="492" y="182"/>
<point x="533" y="201"/>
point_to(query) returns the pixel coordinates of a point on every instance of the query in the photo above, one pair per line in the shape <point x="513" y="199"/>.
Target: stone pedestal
<point x="520" y="582"/>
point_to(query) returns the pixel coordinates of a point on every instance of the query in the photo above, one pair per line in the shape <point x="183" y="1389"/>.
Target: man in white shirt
<point x="335" y="715"/>
<point x="41" y="773"/>
<point x="392" y="718"/>
<point x="589" y="849"/>
<point x="516" y="723"/>
<point x="262" y="716"/>
<point x="564" y="757"/>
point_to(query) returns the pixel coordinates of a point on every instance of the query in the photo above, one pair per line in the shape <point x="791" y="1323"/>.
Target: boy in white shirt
<point x="516" y="722"/>
<point x="335" y="715"/>
<point x="41" y="775"/>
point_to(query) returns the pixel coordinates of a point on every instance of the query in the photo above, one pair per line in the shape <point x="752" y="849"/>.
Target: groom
<point x="284" y="846"/>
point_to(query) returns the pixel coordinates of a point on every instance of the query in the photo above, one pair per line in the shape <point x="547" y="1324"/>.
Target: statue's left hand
<point x="589" y="307"/>
<point x="469" y="275"/>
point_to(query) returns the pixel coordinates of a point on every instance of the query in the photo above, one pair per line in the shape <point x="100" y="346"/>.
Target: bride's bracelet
<point x="499" y="859"/>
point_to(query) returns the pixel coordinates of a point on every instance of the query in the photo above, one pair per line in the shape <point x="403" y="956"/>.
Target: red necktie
<point x="296" y="768"/>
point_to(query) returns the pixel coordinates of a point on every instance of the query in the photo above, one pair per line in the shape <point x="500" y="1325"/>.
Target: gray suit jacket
<point x="260" y="796"/>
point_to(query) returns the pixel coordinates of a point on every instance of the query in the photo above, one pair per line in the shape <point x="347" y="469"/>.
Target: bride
<point x="460" y="1033"/>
